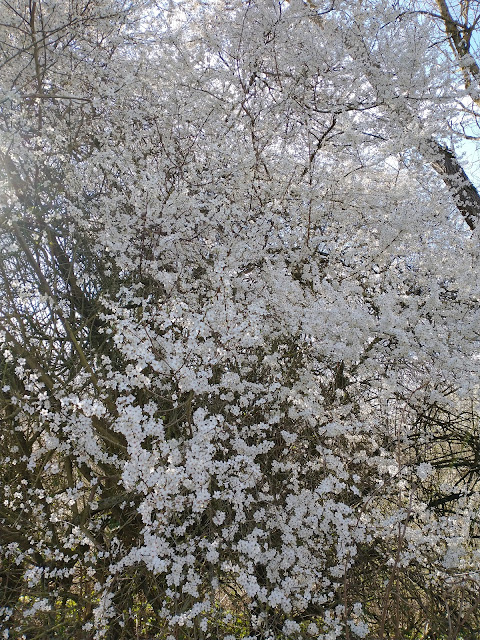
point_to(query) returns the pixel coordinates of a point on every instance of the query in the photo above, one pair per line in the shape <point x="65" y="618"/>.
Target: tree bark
<point x="464" y="192"/>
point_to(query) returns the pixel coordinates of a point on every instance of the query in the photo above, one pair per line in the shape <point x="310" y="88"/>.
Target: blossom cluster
<point x="240" y="336"/>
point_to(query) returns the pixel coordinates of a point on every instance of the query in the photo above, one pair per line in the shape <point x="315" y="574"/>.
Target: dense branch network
<point x="239" y="331"/>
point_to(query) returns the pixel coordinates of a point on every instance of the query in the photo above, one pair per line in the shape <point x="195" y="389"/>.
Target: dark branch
<point x="464" y="192"/>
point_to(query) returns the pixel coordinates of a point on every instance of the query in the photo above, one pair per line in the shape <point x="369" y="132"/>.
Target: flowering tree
<point x="239" y="323"/>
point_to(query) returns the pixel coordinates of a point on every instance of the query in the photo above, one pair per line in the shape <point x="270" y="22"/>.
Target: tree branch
<point x="464" y="192"/>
